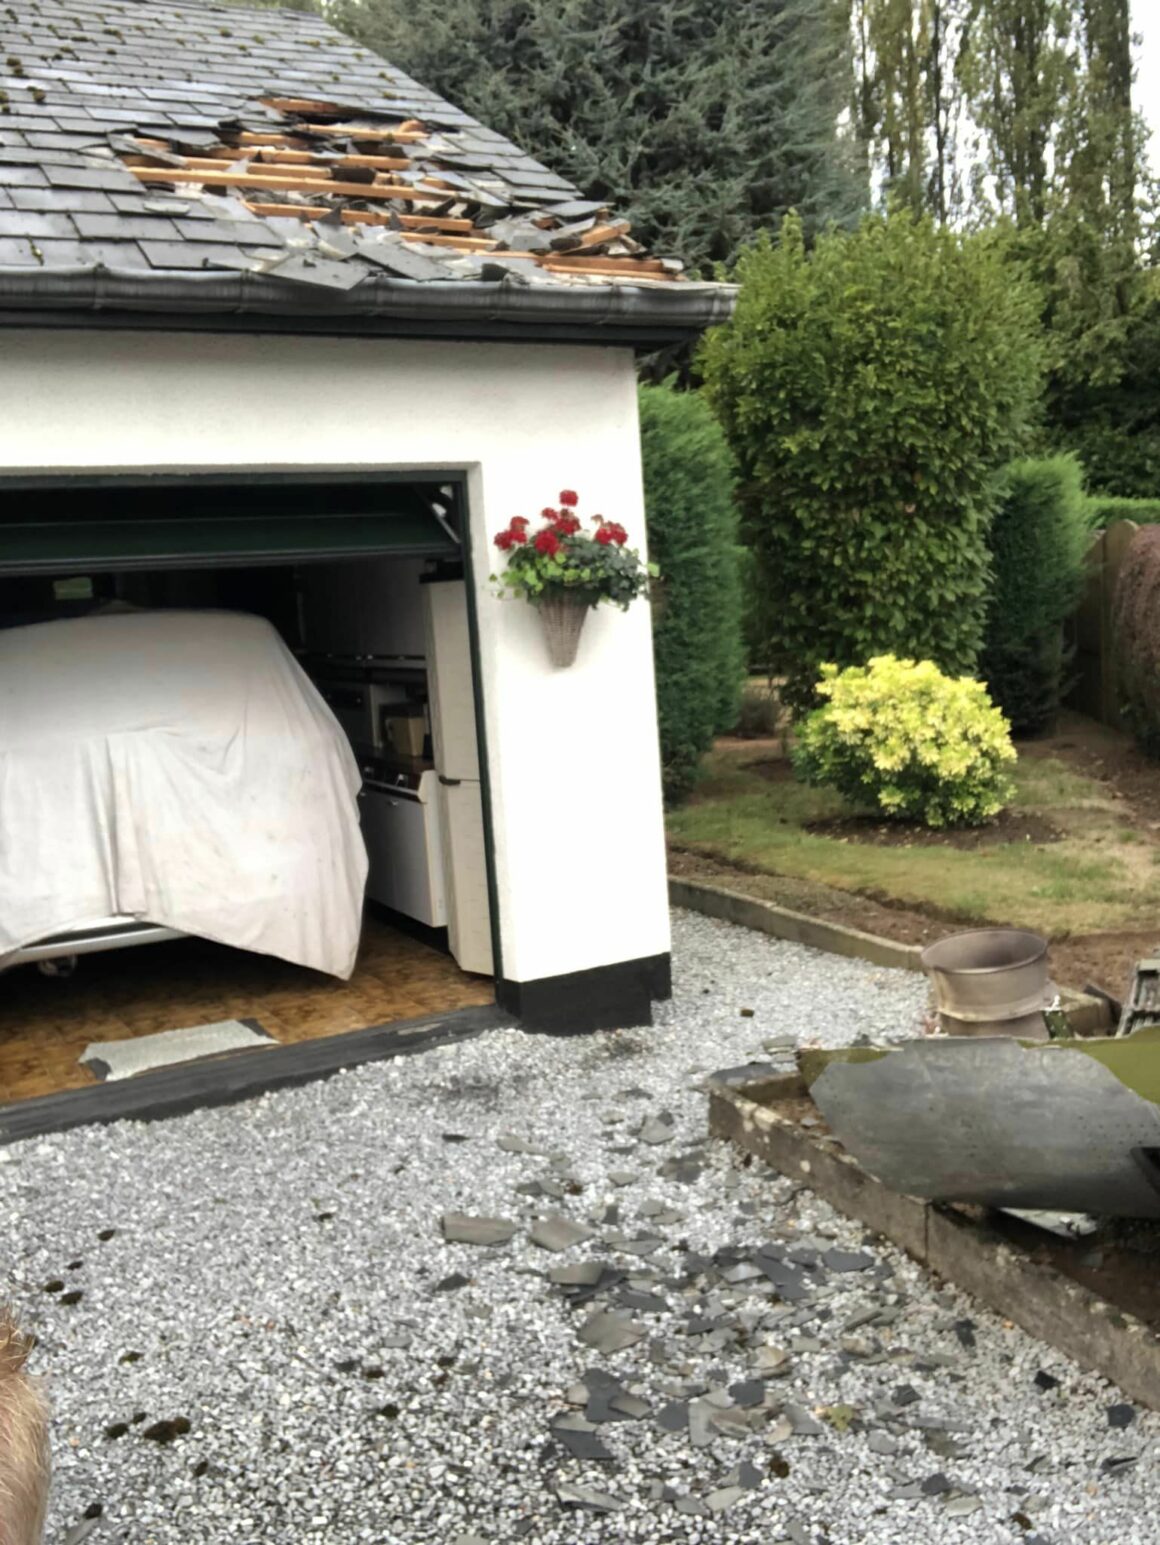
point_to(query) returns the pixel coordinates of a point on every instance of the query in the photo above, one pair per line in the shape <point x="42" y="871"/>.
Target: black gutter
<point x="616" y="313"/>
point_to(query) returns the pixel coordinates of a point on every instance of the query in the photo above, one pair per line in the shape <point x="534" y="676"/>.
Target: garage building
<point x="285" y="334"/>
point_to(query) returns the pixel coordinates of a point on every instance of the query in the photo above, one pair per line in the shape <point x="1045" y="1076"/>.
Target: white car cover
<point x="176" y="767"/>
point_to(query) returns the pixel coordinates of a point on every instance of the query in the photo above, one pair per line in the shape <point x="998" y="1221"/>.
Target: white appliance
<point x="402" y="828"/>
<point x="451" y="698"/>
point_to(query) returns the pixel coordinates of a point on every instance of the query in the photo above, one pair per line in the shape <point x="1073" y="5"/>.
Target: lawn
<point x="1073" y="855"/>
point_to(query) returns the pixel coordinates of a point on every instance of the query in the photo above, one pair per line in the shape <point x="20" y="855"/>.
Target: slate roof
<point x="181" y="156"/>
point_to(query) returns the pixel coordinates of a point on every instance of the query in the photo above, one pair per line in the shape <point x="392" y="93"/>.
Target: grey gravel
<point x="273" y="1263"/>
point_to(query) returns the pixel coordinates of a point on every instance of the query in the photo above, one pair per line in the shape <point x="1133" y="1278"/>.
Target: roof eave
<point x="632" y="314"/>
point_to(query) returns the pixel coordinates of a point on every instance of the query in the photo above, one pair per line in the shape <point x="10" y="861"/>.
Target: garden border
<point x="1086" y="1015"/>
<point x="945" y="1240"/>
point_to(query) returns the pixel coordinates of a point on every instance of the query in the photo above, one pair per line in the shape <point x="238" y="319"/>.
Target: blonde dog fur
<point x="24" y="1455"/>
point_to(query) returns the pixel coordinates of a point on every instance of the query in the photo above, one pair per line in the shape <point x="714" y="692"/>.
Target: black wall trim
<point x="614" y="997"/>
<point x="186" y="1086"/>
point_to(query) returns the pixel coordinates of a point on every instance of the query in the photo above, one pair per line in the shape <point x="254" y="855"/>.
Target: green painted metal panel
<point x="212" y="525"/>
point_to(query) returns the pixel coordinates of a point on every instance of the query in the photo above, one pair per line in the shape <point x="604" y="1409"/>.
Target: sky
<point x="1146" y="21"/>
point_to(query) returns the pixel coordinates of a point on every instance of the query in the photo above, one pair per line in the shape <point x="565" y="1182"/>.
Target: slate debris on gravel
<point x="585" y="1362"/>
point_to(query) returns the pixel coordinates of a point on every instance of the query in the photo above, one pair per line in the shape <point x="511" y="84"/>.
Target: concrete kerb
<point x="1086" y="1015"/>
<point x="1038" y="1297"/>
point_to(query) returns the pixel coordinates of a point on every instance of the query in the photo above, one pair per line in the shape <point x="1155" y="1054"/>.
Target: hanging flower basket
<point x="564" y="570"/>
<point x="562" y="620"/>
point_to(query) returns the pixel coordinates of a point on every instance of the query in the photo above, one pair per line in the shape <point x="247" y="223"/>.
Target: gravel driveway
<point x="255" y="1330"/>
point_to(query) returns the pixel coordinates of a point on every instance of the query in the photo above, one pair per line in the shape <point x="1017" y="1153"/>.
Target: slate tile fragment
<point x="750" y="1392"/>
<point x="558" y="1233"/>
<point x="609" y="1332"/>
<point x="581" y="1445"/>
<point x="1122" y="1415"/>
<point x="724" y="1498"/>
<point x="848" y="1260"/>
<point x="587" y="1496"/>
<point x="1045" y="1381"/>
<point x="803" y="1424"/>
<point x="674" y="1417"/>
<point x="462" y="1228"/>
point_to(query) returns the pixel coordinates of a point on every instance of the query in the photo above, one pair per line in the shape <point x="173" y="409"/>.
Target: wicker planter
<point x="562" y="617"/>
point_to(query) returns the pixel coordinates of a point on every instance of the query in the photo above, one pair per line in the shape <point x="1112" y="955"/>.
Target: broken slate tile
<point x="747" y="1073"/>
<point x="700" y="1423"/>
<point x="656" y="1130"/>
<point x="771" y="1361"/>
<point x="587" y="1496"/>
<point x="732" y="1423"/>
<point x="750" y="1392"/>
<point x="748" y="1475"/>
<point x="609" y="1332"/>
<point x="693" y="1507"/>
<point x="882" y="1443"/>
<point x="1122" y="1415"/>
<point x="631" y="1406"/>
<point x="962" y="1507"/>
<point x="452" y="1283"/>
<point x="461" y="1228"/>
<point x="558" y="1233"/>
<point x="643" y="1303"/>
<point x="647" y="1244"/>
<point x="848" y="1260"/>
<point x="511" y="1142"/>
<point x="674" y="1417"/>
<point x="577" y="1274"/>
<point x="581" y="1445"/>
<point x="935" y="1485"/>
<point x="803" y="1424"/>
<point x="621" y="1177"/>
<point x="1115" y="1463"/>
<point x="724" y="1498"/>
<point x="1045" y="1381"/>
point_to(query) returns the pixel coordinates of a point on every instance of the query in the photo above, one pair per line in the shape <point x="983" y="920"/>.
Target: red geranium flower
<point x="519" y="523"/>
<point x="619" y="534"/>
<point x="565" y="525"/>
<point x="504" y="540"/>
<point x="547" y="543"/>
<point x="568" y="497"/>
<point x="549" y="514"/>
<point x="604" y="535"/>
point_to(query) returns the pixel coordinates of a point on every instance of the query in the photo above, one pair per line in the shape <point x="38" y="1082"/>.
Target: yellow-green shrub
<point x="908" y="742"/>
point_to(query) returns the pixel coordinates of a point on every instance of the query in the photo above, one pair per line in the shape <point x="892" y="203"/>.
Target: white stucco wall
<point x="573" y="754"/>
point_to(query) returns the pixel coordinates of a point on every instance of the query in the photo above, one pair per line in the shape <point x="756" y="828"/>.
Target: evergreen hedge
<point x="1103" y="510"/>
<point x="870" y="388"/>
<point x="1038" y="539"/>
<point x="692" y="533"/>
<point x="1136" y="638"/>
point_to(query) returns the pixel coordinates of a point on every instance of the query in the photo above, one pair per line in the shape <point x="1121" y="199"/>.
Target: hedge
<point x="692" y="533"/>
<point x="1037" y="542"/>
<point x="1102" y="510"/>
<point x="1136" y="638"/>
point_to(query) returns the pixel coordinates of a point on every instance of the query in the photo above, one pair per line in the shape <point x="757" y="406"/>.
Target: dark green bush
<point x="1136" y="638"/>
<point x="1102" y="510"/>
<point x="1038" y="538"/>
<point x="870" y="389"/>
<point x="692" y="533"/>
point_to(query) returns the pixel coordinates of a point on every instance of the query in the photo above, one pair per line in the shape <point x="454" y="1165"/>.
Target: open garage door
<point x="193" y="522"/>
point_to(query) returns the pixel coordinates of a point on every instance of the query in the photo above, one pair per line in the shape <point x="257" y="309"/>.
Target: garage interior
<point x="362" y="578"/>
